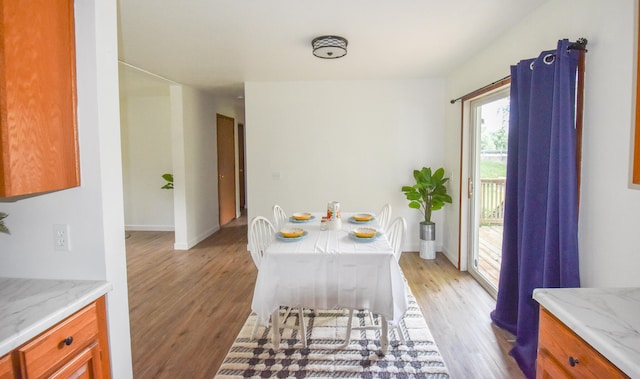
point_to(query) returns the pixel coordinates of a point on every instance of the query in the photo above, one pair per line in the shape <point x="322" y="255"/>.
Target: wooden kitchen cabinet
<point x="6" y="369"/>
<point x="85" y="365"/>
<point x="563" y="354"/>
<point x="76" y="348"/>
<point x="38" y="124"/>
<point x="635" y="178"/>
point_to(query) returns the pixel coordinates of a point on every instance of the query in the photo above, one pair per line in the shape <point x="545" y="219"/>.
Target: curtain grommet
<point x="549" y="58"/>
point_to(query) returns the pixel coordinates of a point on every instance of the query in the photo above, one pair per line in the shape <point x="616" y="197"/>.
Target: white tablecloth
<point x="327" y="270"/>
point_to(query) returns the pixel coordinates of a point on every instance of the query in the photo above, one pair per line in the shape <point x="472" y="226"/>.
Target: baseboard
<point x="150" y="228"/>
<point x="452" y="259"/>
<point x="416" y="247"/>
<point x="196" y="240"/>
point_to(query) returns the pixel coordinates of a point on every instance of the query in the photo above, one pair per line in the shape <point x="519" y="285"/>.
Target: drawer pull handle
<point x="573" y="361"/>
<point x="68" y="341"/>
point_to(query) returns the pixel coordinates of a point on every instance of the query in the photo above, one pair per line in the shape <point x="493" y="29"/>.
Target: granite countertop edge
<point x="608" y="319"/>
<point x="29" y="307"/>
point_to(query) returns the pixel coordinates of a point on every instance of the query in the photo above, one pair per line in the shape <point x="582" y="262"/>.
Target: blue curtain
<point x="540" y="240"/>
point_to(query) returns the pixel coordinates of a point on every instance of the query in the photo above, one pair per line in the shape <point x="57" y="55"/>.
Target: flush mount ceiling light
<point x="329" y="47"/>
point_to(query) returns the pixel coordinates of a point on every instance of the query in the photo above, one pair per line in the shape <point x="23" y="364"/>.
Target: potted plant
<point x="427" y="195"/>
<point x="169" y="179"/>
<point x="3" y="227"/>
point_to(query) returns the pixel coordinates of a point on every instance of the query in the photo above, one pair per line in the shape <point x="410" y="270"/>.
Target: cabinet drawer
<point x="560" y="344"/>
<point x="54" y="346"/>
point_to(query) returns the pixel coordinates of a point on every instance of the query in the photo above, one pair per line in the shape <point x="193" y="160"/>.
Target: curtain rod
<point x="453" y="101"/>
<point x="580" y="44"/>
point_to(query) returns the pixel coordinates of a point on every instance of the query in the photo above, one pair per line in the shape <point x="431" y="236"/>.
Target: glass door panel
<point x="488" y="169"/>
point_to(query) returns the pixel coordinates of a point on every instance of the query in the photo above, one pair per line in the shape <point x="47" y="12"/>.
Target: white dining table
<point x="329" y="269"/>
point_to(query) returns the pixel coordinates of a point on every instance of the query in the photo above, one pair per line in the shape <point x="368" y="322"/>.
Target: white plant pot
<point x="427" y="241"/>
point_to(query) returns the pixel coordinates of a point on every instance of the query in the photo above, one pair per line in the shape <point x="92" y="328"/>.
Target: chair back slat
<point x="384" y="217"/>
<point x="279" y="217"/>
<point x="395" y="234"/>
<point x="261" y="234"/>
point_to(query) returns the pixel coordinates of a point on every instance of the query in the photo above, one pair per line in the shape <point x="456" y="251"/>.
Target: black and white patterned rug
<point x="417" y="358"/>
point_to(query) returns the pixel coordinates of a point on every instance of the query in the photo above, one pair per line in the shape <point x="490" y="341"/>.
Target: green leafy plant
<point x="3" y="227"/>
<point x="169" y="179"/>
<point x="429" y="193"/>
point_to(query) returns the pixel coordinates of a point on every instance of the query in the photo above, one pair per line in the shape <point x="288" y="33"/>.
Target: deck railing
<point x="492" y="201"/>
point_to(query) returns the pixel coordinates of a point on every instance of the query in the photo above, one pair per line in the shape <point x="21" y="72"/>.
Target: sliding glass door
<point x="489" y="118"/>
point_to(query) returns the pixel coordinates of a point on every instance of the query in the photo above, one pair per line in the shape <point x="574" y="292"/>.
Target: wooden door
<point x="243" y="196"/>
<point x="226" y="168"/>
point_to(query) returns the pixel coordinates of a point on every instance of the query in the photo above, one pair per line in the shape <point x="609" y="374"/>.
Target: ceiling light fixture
<point x="329" y="47"/>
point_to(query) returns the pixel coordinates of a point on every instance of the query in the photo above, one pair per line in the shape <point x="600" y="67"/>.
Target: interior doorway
<point x="226" y="168"/>
<point x="489" y="126"/>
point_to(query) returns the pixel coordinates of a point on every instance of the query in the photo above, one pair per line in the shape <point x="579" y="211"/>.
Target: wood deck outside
<point x="490" y="254"/>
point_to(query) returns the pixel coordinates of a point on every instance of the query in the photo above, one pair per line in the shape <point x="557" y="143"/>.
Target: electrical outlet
<point x="61" y="240"/>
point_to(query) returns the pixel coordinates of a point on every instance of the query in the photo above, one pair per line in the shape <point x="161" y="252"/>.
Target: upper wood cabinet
<point x="38" y="124"/>
<point x="635" y="178"/>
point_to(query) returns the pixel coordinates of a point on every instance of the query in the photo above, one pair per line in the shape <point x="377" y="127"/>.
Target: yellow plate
<point x="302" y="216"/>
<point x="291" y="233"/>
<point x="364" y="232"/>
<point x="362" y="217"/>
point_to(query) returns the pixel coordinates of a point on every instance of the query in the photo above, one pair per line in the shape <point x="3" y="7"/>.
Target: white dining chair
<point x="261" y="234"/>
<point x="395" y="234"/>
<point x="384" y="217"/>
<point x="279" y="217"/>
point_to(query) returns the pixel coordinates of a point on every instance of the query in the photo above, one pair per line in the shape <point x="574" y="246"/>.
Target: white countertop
<point x="608" y="319"/>
<point x="28" y="307"/>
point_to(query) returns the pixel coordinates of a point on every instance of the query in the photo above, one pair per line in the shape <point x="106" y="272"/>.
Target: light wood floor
<point x="186" y="307"/>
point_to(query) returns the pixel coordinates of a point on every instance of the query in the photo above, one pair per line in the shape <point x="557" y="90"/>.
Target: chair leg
<point x="382" y="325"/>
<point x="287" y="310"/>
<point x="384" y="335"/>
<point x="254" y="331"/>
<point x="371" y="320"/>
<point x="303" y="328"/>
<point x="277" y="321"/>
<point x="275" y="329"/>
<point x="347" y="338"/>
<point x="400" y="334"/>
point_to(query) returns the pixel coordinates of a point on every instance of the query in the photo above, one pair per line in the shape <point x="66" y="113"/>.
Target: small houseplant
<point x="427" y="195"/>
<point x="3" y="227"/>
<point x="169" y="179"/>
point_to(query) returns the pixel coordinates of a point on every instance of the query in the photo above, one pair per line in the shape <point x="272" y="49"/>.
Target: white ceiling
<point x="217" y="45"/>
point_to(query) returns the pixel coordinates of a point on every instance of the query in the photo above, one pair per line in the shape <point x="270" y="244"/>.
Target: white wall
<point x="609" y="238"/>
<point x="145" y="124"/>
<point x="353" y="141"/>
<point x="199" y="122"/>
<point x="171" y="128"/>
<point x="93" y="211"/>
<point x="196" y="162"/>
